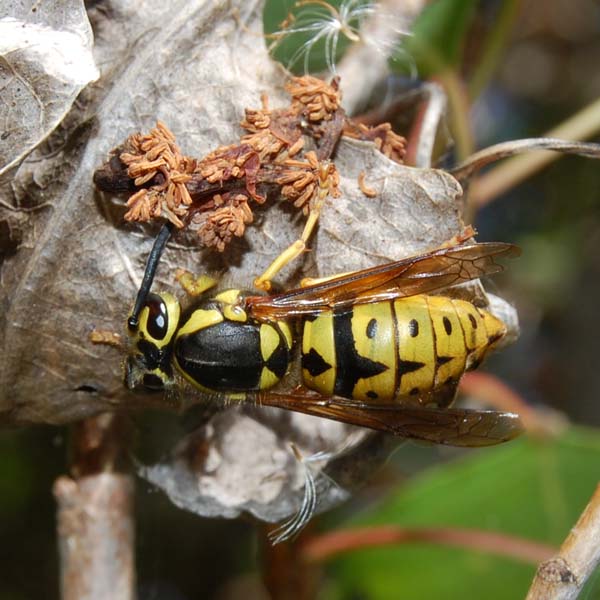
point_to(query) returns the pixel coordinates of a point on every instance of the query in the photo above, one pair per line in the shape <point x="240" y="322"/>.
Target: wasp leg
<point x="327" y="178"/>
<point x="292" y="252"/>
<point x="194" y="286"/>
<point x="443" y="397"/>
<point x="466" y="234"/>
<point x="308" y="281"/>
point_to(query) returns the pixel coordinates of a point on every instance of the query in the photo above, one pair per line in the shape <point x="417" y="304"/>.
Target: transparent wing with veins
<point x="421" y="274"/>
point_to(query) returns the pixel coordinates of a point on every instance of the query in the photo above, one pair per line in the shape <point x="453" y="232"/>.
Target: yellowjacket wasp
<point x="371" y="348"/>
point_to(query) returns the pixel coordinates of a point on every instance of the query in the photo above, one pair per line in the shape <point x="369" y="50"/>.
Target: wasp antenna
<point x="151" y="265"/>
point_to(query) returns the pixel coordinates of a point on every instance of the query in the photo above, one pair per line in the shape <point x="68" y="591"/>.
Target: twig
<point x="484" y="157"/>
<point x="423" y="133"/>
<point x="581" y="126"/>
<point x="327" y="546"/>
<point x="95" y="523"/>
<point x="284" y="574"/>
<point x="563" y="576"/>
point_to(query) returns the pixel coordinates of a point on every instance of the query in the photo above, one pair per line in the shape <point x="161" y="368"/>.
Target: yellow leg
<point x="192" y="285"/>
<point x="467" y="233"/>
<point x="308" y="281"/>
<point x="327" y="178"/>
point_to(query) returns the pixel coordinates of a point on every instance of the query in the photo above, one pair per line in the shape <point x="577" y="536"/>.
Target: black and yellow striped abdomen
<point x="389" y="350"/>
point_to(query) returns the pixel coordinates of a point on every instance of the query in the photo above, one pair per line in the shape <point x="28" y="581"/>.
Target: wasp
<point x="382" y="348"/>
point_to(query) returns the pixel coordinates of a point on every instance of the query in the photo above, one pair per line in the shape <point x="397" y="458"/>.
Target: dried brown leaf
<point x="45" y="61"/>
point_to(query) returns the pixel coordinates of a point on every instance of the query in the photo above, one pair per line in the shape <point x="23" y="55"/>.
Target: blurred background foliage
<point x="525" y="67"/>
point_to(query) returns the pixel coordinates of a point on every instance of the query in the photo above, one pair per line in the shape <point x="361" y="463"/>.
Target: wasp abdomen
<point x="386" y="351"/>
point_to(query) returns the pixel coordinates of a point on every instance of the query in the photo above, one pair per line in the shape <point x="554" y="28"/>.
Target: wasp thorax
<point x="219" y="348"/>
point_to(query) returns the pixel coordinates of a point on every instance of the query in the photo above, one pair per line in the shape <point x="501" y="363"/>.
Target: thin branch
<point x="284" y="573"/>
<point x="328" y="546"/>
<point x="581" y="126"/>
<point x="484" y="157"/>
<point x="95" y="524"/>
<point x="426" y="125"/>
<point x="563" y="576"/>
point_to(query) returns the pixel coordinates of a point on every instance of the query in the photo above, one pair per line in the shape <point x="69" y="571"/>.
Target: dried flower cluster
<point x="314" y="98"/>
<point x="157" y="156"/>
<point x="229" y="218"/>
<point x="386" y="141"/>
<point x="284" y="151"/>
<point x="300" y="180"/>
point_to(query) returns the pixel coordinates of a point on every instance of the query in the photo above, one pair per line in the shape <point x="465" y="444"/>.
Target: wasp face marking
<point x="149" y="367"/>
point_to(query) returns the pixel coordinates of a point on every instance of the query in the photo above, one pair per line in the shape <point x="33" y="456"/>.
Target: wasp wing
<point x="421" y="274"/>
<point x="448" y="426"/>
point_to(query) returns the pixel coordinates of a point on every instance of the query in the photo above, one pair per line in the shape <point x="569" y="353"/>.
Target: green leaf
<point x="438" y="36"/>
<point x="529" y="488"/>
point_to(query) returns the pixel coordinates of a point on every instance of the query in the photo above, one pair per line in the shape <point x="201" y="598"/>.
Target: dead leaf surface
<point x="46" y="60"/>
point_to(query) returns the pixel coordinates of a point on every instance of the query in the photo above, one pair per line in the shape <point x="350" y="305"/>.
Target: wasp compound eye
<point x="157" y="324"/>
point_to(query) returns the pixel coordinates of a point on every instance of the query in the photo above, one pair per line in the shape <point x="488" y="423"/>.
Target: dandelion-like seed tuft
<point x="327" y="29"/>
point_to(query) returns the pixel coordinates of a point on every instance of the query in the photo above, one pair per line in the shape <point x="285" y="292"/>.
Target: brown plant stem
<point x="95" y="518"/>
<point x="563" y="576"/>
<point x="330" y="545"/>
<point x="285" y="575"/>
<point x="580" y="126"/>
<point x="477" y="161"/>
